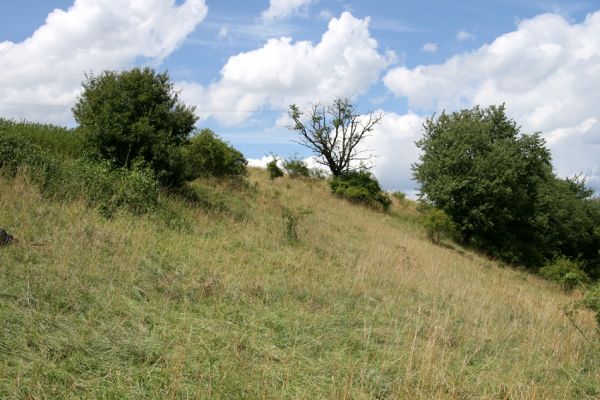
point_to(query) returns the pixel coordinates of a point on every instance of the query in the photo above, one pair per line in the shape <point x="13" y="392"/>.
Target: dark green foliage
<point x="101" y="185"/>
<point x="498" y="187"/>
<point x="592" y="301"/>
<point x="438" y="225"/>
<point x="568" y="222"/>
<point x="273" y="169"/>
<point x="59" y="141"/>
<point x="207" y="155"/>
<point x="296" y="168"/>
<point x="565" y="272"/>
<point x="109" y="188"/>
<point x="360" y="187"/>
<point x="134" y="117"/>
<point x="477" y="167"/>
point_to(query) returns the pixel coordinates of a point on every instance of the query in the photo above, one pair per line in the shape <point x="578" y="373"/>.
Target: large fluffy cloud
<point x="548" y="74"/>
<point x="393" y="144"/>
<point x="343" y="64"/>
<point x="41" y="76"/>
<point x="283" y="8"/>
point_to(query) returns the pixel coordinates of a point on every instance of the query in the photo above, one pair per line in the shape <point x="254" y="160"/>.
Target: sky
<point x="242" y="63"/>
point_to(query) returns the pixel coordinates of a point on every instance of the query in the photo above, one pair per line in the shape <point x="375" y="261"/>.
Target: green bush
<point x="360" y="187"/>
<point x="400" y="196"/>
<point x="566" y="272"/>
<point x="438" y="225"/>
<point x="273" y="169"/>
<point x="98" y="183"/>
<point x="296" y="168"/>
<point x="592" y="301"/>
<point x="59" y="141"/>
<point x="207" y="155"/>
<point x="134" y="117"/>
<point x="291" y="220"/>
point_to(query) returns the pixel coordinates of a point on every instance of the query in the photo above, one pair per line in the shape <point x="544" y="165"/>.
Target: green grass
<point x="210" y="299"/>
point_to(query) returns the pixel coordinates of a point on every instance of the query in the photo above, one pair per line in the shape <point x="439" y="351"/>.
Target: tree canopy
<point x="498" y="187"/>
<point x="134" y="117"/>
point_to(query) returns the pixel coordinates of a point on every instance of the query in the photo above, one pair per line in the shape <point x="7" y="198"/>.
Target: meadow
<point x="218" y="300"/>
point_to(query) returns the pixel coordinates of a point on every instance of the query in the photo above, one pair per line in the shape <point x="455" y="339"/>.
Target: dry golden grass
<point x="186" y="303"/>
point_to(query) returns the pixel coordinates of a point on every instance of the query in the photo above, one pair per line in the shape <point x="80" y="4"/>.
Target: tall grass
<point x="190" y="304"/>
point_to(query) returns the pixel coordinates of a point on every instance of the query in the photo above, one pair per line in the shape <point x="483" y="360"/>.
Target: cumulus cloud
<point x="345" y="63"/>
<point x="547" y="72"/>
<point x="41" y="77"/>
<point x="393" y="143"/>
<point x="283" y="8"/>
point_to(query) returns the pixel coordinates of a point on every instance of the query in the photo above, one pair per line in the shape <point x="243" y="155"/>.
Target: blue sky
<point x="408" y="59"/>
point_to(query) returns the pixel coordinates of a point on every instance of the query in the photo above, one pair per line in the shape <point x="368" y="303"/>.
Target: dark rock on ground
<point x="5" y="238"/>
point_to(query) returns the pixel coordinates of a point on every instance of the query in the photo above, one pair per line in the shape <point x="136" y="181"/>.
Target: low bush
<point x="400" y="196"/>
<point x="291" y="220"/>
<point x="566" y="272"/>
<point x="207" y="155"/>
<point x="98" y="183"/>
<point x="438" y="225"/>
<point x="273" y="169"/>
<point x="592" y="301"/>
<point x="61" y="142"/>
<point x="360" y="187"/>
<point x="296" y="168"/>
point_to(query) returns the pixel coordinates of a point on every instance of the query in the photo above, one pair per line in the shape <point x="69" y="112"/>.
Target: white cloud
<point x="41" y="77"/>
<point x="430" y="48"/>
<point x="393" y="144"/>
<point x="343" y="64"/>
<point x="548" y="74"/>
<point x="463" y="35"/>
<point x="283" y="8"/>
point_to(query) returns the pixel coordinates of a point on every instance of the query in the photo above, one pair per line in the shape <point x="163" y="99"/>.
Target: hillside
<point x="214" y="301"/>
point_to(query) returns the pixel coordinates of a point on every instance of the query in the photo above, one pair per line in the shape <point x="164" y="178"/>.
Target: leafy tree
<point x="498" y="187"/>
<point x="479" y="169"/>
<point x="207" y="155"/>
<point x="333" y="133"/>
<point x="568" y="219"/>
<point x="134" y="117"/>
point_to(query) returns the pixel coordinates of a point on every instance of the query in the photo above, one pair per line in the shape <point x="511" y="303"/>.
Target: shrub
<point x="207" y="155"/>
<point x="400" y="196"/>
<point x="566" y="272"/>
<point x="592" y="301"/>
<point x="273" y="169"/>
<point x="296" y="168"/>
<point x="360" y="187"/>
<point x="438" y="225"/>
<point x="58" y="141"/>
<point x="318" y="173"/>
<point x="98" y="183"/>
<point x="291" y="220"/>
<point x="134" y="117"/>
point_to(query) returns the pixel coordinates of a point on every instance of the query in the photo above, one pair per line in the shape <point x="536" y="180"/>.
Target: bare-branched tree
<point x="333" y="132"/>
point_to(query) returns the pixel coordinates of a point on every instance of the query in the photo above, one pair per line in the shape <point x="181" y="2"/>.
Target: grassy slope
<point x="190" y="304"/>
